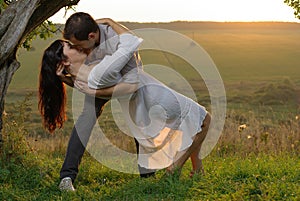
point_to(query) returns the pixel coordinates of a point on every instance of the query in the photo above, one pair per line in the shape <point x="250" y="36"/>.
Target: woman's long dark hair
<point x="52" y="94"/>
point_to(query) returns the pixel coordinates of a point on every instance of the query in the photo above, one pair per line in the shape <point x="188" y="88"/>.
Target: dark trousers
<point x="143" y="171"/>
<point x="80" y="135"/>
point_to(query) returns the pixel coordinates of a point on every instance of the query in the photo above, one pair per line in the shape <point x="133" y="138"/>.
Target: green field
<point x="259" y="64"/>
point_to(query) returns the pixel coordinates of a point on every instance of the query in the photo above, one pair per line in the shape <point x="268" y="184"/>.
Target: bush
<point x="280" y="93"/>
<point x="15" y="147"/>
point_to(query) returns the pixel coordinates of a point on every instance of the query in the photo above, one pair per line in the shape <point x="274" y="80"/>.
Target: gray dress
<point x="163" y="121"/>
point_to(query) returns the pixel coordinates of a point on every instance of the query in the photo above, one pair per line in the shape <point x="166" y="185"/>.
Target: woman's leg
<point x="196" y="162"/>
<point x="193" y="150"/>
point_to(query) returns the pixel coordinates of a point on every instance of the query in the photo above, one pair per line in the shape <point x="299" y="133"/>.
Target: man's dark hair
<point x="79" y="25"/>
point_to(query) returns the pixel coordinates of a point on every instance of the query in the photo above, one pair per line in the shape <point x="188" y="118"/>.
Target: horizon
<point x="191" y="21"/>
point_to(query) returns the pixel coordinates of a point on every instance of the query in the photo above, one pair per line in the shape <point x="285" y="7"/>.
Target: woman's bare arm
<point x="67" y="80"/>
<point x="117" y="27"/>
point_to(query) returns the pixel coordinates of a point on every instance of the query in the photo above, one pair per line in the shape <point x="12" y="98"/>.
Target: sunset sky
<point x="190" y="10"/>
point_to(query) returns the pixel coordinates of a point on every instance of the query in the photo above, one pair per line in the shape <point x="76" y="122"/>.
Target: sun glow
<point x="188" y="10"/>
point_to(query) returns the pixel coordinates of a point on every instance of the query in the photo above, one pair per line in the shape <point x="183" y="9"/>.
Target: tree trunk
<point x="16" y="22"/>
<point x="6" y="72"/>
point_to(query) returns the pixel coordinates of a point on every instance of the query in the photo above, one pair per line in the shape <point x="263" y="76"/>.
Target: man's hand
<point x="84" y="88"/>
<point x="118" y="90"/>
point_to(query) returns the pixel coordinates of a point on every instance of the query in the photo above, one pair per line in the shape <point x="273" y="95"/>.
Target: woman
<point x="169" y="127"/>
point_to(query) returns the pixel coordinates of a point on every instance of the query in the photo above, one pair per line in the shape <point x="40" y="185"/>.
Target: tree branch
<point x="14" y="33"/>
<point x="6" y="18"/>
<point x="44" y="11"/>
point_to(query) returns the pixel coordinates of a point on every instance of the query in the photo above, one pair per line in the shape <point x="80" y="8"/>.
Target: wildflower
<point x="242" y="127"/>
<point x="296" y="117"/>
<point x="249" y="137"/>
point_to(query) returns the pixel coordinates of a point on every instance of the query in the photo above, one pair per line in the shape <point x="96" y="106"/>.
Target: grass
<point x="255" y="177"/>
<point x="262" y="167"/>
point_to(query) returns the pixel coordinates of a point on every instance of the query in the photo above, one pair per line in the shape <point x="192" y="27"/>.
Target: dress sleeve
<point x="107" y="72"/>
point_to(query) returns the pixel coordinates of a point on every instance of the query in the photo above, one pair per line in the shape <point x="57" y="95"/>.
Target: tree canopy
<point x="295" y="4"/>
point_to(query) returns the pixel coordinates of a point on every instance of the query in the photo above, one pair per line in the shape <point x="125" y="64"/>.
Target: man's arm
<point x="120" y="89"/>
<point x="107" y="72"/>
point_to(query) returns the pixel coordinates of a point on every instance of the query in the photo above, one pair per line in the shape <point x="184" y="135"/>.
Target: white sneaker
<point x="66" y="184"/>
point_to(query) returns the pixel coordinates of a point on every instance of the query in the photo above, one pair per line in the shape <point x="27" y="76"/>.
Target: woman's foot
<point x="195" y="172"/>
<point x="192" y="173"/>
<point x="172" y="172"/>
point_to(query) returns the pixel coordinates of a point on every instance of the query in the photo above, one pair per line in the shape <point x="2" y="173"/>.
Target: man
<point x="85" y="34"/>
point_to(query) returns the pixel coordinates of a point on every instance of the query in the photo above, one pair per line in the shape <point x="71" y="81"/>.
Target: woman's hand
<point x="117" y="27"/>
<point x="104" y="21"/>
<point x="60" y="71"/>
